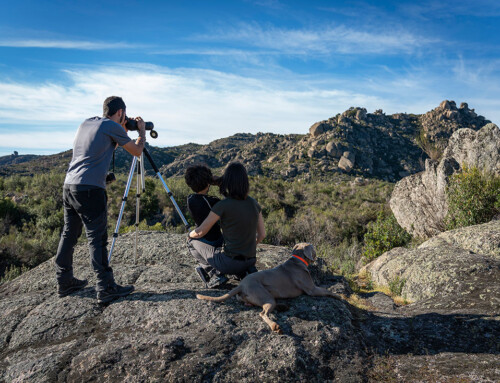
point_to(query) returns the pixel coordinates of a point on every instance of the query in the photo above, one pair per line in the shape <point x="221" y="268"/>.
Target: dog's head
<point x="305" y="250"/>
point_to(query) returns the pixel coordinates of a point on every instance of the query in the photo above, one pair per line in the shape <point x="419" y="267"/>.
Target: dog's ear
<point x="306" y="250"/>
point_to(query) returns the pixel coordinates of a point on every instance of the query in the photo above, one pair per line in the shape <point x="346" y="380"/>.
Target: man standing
<point x="85" y="199"/>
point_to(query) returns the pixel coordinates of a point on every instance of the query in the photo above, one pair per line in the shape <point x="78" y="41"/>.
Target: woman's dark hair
<point x="198" y="177"/>
<point x="234" y="182"/>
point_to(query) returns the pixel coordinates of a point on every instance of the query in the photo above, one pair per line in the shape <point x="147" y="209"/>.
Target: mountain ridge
<point x="371" y="145"/>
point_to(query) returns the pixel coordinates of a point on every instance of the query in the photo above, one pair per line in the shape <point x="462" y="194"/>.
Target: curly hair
<point x="198" y="177"/>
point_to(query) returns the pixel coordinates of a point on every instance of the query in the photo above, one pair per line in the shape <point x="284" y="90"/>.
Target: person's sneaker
<point x="203" y="275"/>
<point x="66" y="288"/>
<point x="217" y="281"/>
<point x="113" y="292"/>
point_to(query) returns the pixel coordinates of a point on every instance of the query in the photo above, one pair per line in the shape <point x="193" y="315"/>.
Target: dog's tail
<point x="222" y="298"/>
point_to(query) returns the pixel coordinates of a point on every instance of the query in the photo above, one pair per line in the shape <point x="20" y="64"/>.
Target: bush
<point x="396" y="285"/>
<point x="13" y="272"/>
<point x="143" y="226"/>
<point x="383" y="235"/>
<point x="342" y="258"/>
<point x="473" y="198"/>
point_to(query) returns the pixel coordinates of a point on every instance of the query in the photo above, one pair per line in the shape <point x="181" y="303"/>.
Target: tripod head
<point x="131" y="124"/>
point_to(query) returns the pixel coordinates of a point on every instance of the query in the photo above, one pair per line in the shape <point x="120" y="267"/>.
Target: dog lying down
<point x="288" y="280"/>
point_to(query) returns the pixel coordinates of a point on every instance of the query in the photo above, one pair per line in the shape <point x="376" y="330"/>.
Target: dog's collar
<point x="302" y="259"/>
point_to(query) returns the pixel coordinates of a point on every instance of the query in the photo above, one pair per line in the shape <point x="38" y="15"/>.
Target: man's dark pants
<point x="84" y="206"/>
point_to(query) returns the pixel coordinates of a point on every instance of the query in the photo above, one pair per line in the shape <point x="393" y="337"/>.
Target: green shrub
<point x="383" y="235"/>
<point x="13" y="272"/>
<point x="473" y="198"/>
<point x="8" y="209"/>
<point x="142" y="226"/>
<point x="343" y="258"/>
<point x="396" y="285"/>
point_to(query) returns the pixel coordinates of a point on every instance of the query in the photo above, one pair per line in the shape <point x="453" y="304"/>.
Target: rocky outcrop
<point x="419" y="201"/>
<point x="446" y="269"/>
<point x="440" y="123"/>
<point x="387" y="147"/>
<point x="163" y="333"/>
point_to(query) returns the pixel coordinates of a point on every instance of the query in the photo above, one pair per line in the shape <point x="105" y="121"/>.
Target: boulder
<point x="361" y="114"/>
<point x="317" y="129"/>
<point x="479" y="239"/>
<point x="447" y="105"/>
<point x="419" y="201"/>
<point x="332" y="149"/>
<point x="476" y="148"/>
<point x="445" y="267"/>
<point x="347" y="161"/>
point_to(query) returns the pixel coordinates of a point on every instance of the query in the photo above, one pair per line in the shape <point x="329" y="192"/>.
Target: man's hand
<point x="142" y="127"/>
<point x="136" y="148"/>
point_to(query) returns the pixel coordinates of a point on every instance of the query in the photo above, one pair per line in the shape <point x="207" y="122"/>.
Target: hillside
<point x="371" y="145"/>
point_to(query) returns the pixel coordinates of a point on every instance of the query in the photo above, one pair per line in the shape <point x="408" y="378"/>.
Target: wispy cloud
<point x="195" y="105"/>
<point x="434" y="9"/>
<point x="64" y="44"/>
<point x="185" y="105"/>
<point x="271" y="4"/>
<point x="322" y="40"/>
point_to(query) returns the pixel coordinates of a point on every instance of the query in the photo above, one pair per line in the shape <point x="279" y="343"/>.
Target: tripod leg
<point x="143" y="174"/>
<point x="137" y="205"/>
<point x="169" y="193"/>
<point x="124" y="199"/>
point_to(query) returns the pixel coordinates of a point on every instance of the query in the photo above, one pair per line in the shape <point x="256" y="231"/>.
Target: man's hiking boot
<point x="216" y="281"/>
<point x="113" y="292"/>
<point x="203" y="275"/>
<point x="66" y="288"/>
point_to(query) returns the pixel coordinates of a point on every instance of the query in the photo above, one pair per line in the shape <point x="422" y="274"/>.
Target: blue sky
<point x="202" y="70"/>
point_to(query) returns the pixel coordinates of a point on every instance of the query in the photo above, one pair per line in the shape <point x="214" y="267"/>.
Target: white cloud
<point x="64" y="44"/>
<point x="323" y="39"/>
<point x="195" y="105"/>
<point x="189" y="105"/>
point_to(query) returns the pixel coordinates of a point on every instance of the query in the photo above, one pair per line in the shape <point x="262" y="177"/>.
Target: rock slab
<point x="162" y="333"/>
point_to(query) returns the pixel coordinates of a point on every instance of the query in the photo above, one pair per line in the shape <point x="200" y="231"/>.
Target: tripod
<point x="138" y="162"/>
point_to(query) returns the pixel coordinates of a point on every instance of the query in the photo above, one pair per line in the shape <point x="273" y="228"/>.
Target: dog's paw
<point x="276" y="329"/>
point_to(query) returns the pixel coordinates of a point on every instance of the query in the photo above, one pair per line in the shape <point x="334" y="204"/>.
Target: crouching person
<point x="199" y="178"/>
<point x="242" y="226"/>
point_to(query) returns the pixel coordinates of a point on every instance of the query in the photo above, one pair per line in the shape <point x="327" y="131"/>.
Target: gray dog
<point x="288" y="280"/>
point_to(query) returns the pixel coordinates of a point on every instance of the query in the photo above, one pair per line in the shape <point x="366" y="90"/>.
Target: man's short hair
<point x="112" y="105"/>
<point x="198" y="177"/>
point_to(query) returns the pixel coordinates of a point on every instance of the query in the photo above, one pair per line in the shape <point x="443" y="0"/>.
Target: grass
<point x="363" y="284"/>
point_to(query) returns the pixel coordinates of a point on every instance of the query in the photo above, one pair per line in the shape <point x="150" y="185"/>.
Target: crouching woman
<point x="242" y="228"/>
